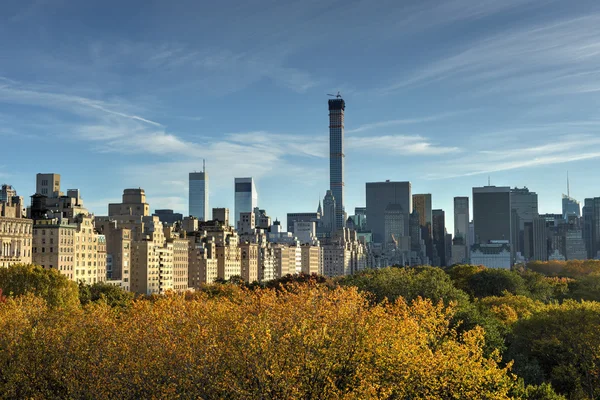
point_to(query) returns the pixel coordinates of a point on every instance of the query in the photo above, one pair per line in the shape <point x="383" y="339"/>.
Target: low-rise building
<point x="16" y="232"/>
<point x="492" y="255"/>
<point x="311" y="259"/>
<point x="250" y="260"/>
<point x="344" y="254"/>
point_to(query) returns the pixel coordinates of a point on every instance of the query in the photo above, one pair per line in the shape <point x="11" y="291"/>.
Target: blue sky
<point x="114" y="94"/>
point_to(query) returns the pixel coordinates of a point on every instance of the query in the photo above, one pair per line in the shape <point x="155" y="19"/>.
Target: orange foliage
<point x="309" y="342"/>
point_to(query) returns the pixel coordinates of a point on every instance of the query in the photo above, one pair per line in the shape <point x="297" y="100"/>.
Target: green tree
<point x="494" y="282"/>
<point x="585" y="288"/>
<point x="112" y="295"/>
<point x="409" y="283"/>
<point x="48" y="284"/>
<point x="560" y="344"/>
<point x="461" y="273"/>
<point x="539" y="286"/>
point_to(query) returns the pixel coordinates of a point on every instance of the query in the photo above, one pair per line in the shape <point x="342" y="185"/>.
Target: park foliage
<point x="391" y="333"/>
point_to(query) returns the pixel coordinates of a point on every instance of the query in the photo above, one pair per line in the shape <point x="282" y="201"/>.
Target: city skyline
<point x="119" y="108"/>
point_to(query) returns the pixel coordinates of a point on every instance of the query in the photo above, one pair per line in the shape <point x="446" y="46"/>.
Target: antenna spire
<point x="489" y="181"/>
<point x="203" y="165"/>
<point x="568" y="188"/>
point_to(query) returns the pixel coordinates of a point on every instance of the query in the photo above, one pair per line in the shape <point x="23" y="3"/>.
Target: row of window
<point x="15" y="228"/>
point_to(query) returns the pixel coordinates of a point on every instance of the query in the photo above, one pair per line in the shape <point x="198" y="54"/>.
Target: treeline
<point x="393" y="333"/>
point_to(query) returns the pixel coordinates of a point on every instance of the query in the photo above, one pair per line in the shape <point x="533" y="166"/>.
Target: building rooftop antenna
<point x="204" y="165"/>
<point x="568" y="188"/>
<point x="489" y="181"/>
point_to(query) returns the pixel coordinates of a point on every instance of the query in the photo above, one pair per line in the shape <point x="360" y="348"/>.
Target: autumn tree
<point x="308" y="342"/>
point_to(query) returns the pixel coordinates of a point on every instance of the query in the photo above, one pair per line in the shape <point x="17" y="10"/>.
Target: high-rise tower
<point x="492" y="214"/>
<point x="246" y="197"/>
<point x="198" y="197"/>
<point x="336" y="158"/>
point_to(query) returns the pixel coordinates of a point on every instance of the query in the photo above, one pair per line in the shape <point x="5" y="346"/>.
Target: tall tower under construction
<point x="336" y="158"/>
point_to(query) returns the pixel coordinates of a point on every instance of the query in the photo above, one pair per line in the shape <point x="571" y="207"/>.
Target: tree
<point x="585" y="288"/>
<point x="509" y="308"/>
<point x="409" y="283"/>
<point x="308" y="342"/>
<point x="494" y="282"/>
<point x="541" y="287"/>
<point x="48" y="284"/>
<point x="112" y="295"/>
<point x="461" y="273"/>
<point x="560" y="344"/>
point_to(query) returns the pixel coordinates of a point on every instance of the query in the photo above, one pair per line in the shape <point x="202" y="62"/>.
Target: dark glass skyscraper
<point x="439" y="235"/>
<point x="198" y="195"/>
<point x="570" y="207"/>
<point x="492" y="214"/>
<point x="379" y="196"/>
<point x="336" y="158"/>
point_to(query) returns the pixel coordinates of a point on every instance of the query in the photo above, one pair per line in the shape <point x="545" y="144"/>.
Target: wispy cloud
<point x="219" y="70"/>
<point x="397" y="144"/>
<point x="560" y="56"/>
<point x="408" y="121"/>
<point x="564" y="149"/>
<point x="17" y="93"/>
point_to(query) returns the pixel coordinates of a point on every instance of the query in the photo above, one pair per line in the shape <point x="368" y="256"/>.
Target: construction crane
<point x="337" y="96"/>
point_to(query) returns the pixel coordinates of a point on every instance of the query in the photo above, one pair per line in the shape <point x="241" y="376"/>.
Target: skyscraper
<point x="379" y="196"/>
<point x="198" y="197"/>
<point x="540" y="239"/>
<point x="591" y="226"/>
<point x="439" y="235"/>
<point x="460" y="243"/>
<point x="246" y="197"/>
<point x="492" y="214"/>
<point x="570" y="206"/>
<point x="461" y="219"/>
<point x="394" y="223"/>
<point x="328" y="217"/>
<point x="336" y="158"/>
<point x="422" y="203"/>
<point x="524" y="205"/>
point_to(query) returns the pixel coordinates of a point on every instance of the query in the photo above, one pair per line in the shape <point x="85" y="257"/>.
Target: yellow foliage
<point x="307" y="342"/>
<point x="511" y="308"/>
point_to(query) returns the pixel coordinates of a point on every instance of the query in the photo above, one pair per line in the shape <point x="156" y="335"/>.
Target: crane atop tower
<point x="337" y="96"/>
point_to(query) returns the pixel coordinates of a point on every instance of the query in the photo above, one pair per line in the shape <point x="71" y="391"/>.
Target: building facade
<point x="302" y="217"/>
<point x="16" y="232"/>
<point x="246" y="197"/>
<point x="570" y="207"/>
<point x="439" y="237"/>
<point x="48" y="185"/>
<point x="492" y="214"/>
<point x="337" y="108"/>
<point x="492" y="255"/>
<point x="198" y="195"/>
<point x="134" y="203"/>
<point x="168" y="216"/>
<point x="379" y="196"/>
